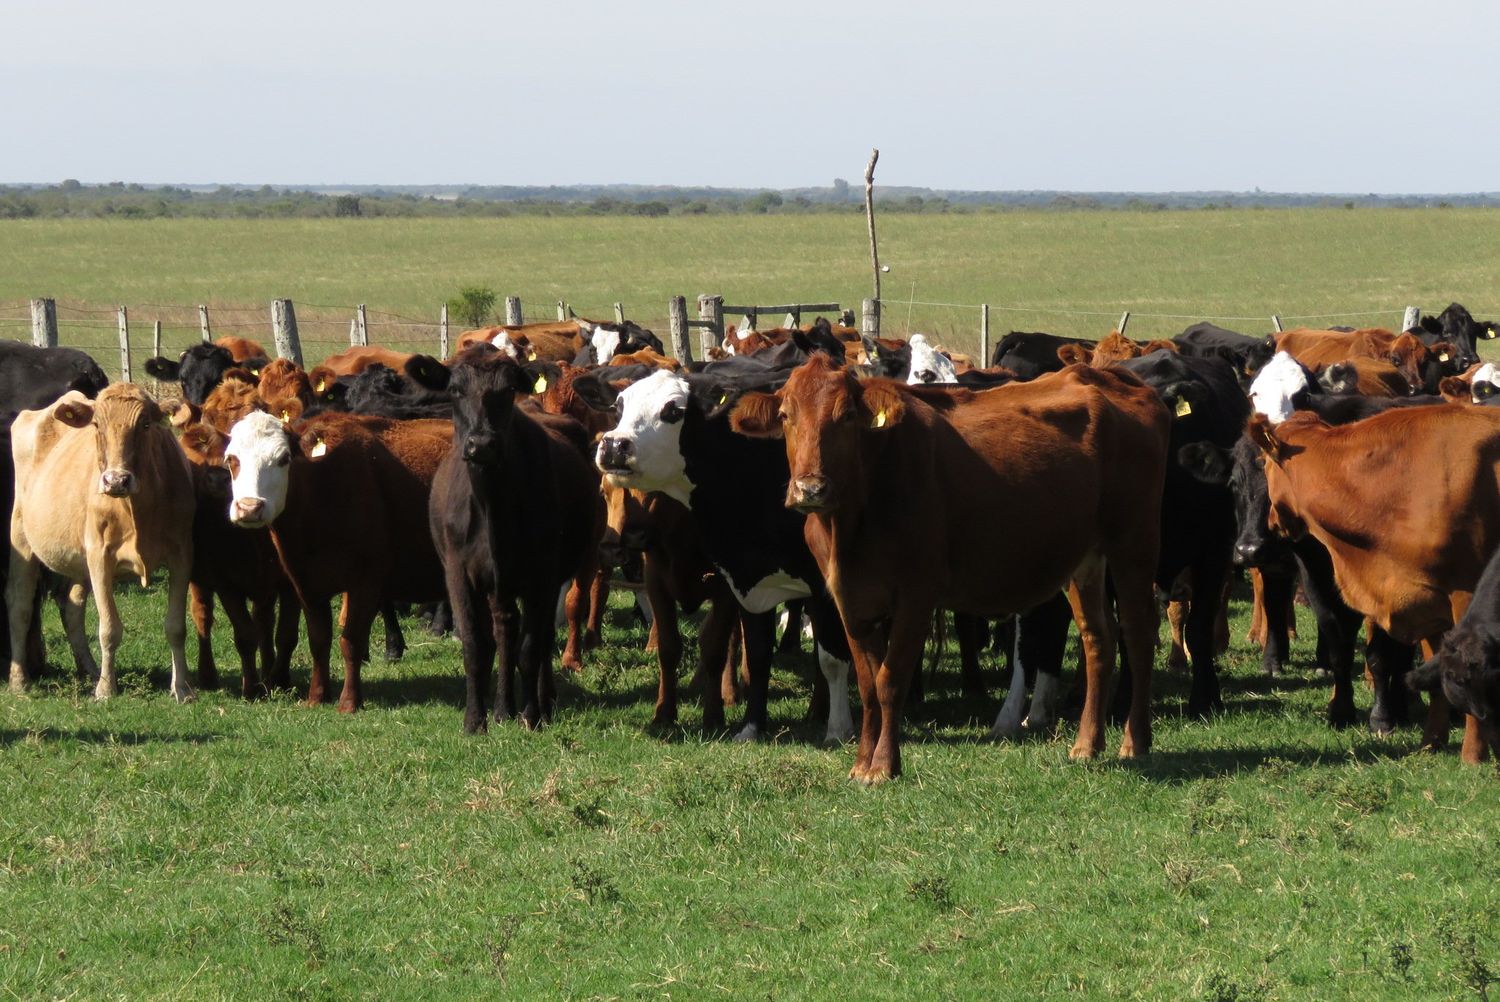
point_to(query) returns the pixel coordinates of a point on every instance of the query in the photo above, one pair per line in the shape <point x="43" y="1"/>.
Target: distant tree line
<point x="72" y="199"/>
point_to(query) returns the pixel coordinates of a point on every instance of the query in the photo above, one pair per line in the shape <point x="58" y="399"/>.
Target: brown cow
<point x="354" y="360"/>
<point x="1116" y="347"/>
<point x="1078" y="458"/>
<point x="102" y="491"/>
<point x="241" y="349"/>
<point x="1411" y="358"/>
<point x="282" y="379"/>
<point x="1413" y="573"/>
<point x="1370" y="377"/>
<point x="345" y="497"/>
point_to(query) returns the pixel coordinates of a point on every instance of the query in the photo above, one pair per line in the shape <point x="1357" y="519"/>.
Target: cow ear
<point x="427" y="372"/>
<point x="1206" y="462"/>
<point x="74" y="414"/>
<point x="287" y="410"/>
<point x="1263" y="434"/>
<point x="1182" y="398"/>
<point x="1454" y="389"/>
<point x="1161" y="344"/>
<point x="757" y="415"/>
<point x="255" y="364"/>
<point x="1427" y="676"/>
<point x="320" y="377"/>
<point x="803" y="342"/>
<point x="596" y="392"/>
<point x="537" y="376"/>
<point x="884" y="405"/>
<point x="240" y="375"/>
<point x="205" y="440"/>
<point x="1074" y="354"/>
<point x="1443" y="351"/>
<point x="181" y="413"/>
<point x="163" y="369"/>
<point x="313" y="445"/>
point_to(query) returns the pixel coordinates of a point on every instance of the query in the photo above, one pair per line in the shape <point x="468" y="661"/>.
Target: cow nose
<point x="807" y="494"/>
<point x="927" y="376"/>
<point x="614" y="453"/>
<point x="1246" y="554"/>
<point x="116" y="483"/>
<point x="474" y="447"/>
<point x="249" y="509"/>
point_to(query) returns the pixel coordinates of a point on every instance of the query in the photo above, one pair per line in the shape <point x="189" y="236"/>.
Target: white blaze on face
<point x="1277" y="382"/>
<point x="605" y="342"/>
<point x="503" y="342"/>
<point x="653" y="455"/>
<point x="258" y="443"/>
<point x="928" y="365"/>
<point x="1486" y="373"/>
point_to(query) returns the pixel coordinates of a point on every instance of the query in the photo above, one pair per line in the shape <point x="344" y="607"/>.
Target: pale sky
<point x="1337" y="96"/>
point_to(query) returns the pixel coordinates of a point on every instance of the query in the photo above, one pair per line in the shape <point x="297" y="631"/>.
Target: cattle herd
<point x="868" y="485"/>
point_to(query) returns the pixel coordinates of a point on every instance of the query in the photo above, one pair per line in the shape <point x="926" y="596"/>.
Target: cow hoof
<point x="572" y="664"/>
<point x="838" y="738"/>
<point x="1038" y="730"/>
<point x="348" y="706"/>
<point x="208" y="679"/>
<point x="1005" y="732"/>
<point x="1321" y="674"/>
<point x="591" y="640"/>
<point x="747" y="734"/>
<point x="1340" y="717"/>
<point x="17" y="683"/>
<point x="1382" y="727"/>
<point x="1203" y="709"/>
<point x="664" y="717"/>
<point x="1083" y="753"/>
<point x="713" y="722"/>
<point x="184" y="694"/>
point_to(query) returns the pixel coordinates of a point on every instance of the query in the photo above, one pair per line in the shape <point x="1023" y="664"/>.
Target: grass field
<point x="1363" y="265"/>
<point x="232" y="850"/>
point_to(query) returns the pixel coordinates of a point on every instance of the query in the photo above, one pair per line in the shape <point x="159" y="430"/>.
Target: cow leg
<point x="668" y="637"/>
<point x="1276" y="593"/>
<point x="1086" y="594"/>
<point x="176" y="627"/>
<point x="505" y="623"/>
<point x="360" y="610"/>
<point x="729" y="684"/>
<point x="20" y="599"/>
<point x="758" y="630"/>
<point x="713" y="649"/>
<point x="832" y="647"/>
<point x="102" y="582"/>
<point x="263" y="619"/>
<point x="36" y="656"/>
<point x="867" y="653"/>
<point x="473" y="621"/>
<point x="1388" y="661"/>
<point x="70" y="600"/>
<point x="1337" y="628"/>
<point x="319" y="616"/>
<point x="395" y="642"/>
<point x="1221" y="607"/>
<point x="1256" y="634"/>
<point x="902" y="661"/>
<point x="246" y="632"/>
<point x="289" y="614"/>
<point x="202" y="609"/>
<point x="791" y="633"/>
<point x="967" y="629"/>
<point x="577" y="610"/>
<point x="1043" y="635"/>
<point x="1008" y="720"/>
<point x="1177" y="614"/>
<point x="536" y="661"/>
<point x="593" y="633"/>
<point x="1202" y="625"/>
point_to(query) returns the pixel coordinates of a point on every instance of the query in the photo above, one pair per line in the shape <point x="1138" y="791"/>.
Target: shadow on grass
<point x="96" y="736"/>
<point x="1174" y="767"/>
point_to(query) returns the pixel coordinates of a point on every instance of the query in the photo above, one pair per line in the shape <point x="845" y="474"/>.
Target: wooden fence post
<point x="984" y="335"/>
<point x="203" y="322"/>
<point x="284" y="330"/>
<point x="443" y="332"/>
<point x="711" y="311"/>
<point x="156" y="339"/>
<point x="682" y="348"/>
<point x="44" y="323"/>
<point x="619" y="313"/>
<point x="562" y="309"/>
<point x="1276" y="321"/>
<point x="1124" y="322"/>
<point x="513" y="316"/>
<point x="360" y="333"/>
<point x="124" y="346"/>
<point x="869" y="320"/>
<point x="1411" y="318"/>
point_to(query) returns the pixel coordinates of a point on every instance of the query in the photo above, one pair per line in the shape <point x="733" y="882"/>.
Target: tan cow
<point x="102" y="491"/>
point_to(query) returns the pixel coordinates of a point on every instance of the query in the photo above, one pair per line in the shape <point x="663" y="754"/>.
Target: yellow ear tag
<point x="723" y="398"/>
<point x="286" y="416"/>
<point x="322" y="385"/>
<point x="1184" y="408"/>
<point x="874" y="354"/>
<point x="531" y="354"/>
<point x="541" y="384"/>
<point x="880" y="420"/>
<point x="321" y="449"/>
<point x="1443" y="356"/>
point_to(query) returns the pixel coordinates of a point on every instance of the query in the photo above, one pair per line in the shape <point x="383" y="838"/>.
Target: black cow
<point x="1206" y="340"/>
<point x="1459" y="328"/>
<point x="32" y="378"/>
<point x="1029" y="354"/>
<point x="1197" y="517"/>
<point x="515" y="514"/>
<point x="1466" y="668"/>
<point x="384" y="392"/>
<point x="199" y="369"/>
<point x="674" y="437"/>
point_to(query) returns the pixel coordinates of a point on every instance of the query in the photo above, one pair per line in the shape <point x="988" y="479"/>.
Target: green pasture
<point x="231" y="850"/>
<point x="1065" y="272"/>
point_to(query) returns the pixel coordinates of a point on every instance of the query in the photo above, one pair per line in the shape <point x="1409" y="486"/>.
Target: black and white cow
<point x="674" y="437"/>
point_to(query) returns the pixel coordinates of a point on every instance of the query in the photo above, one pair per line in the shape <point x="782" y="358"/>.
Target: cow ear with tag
<point x="757" y="415"/>
<point x="537" y="376"/>
<point x="1263" y="434"/>
<point x="181" y="413"/>
<point x="75" y="413"/>
<point x="882" y="405"/>
<point x="428" y="372"/>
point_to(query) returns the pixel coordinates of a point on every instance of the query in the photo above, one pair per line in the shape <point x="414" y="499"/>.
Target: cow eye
<point x="285" y="460"/>
<point x="672" y="413"/>
<point x="233" y="462"/>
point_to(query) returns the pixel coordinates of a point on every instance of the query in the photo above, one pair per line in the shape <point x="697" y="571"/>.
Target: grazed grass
<point x="225" y="849"/>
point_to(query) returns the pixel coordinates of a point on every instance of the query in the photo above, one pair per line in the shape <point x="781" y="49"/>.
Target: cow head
<point x="199" y="370"/>
<point x="483" y="383"/>
<point x="1467" y="668"/>
<point x="259" y="458"/>
<point x="928" y="365"/>
<point x="1278" y="385"/>
<point x="123" y="417"/>
<point x="1242" y="470"/>
<point x="644" y="451"/>
<point x="828" y="418"/>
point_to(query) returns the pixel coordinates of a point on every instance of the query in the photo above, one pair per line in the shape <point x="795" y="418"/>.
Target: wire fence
<point x="325" y="329"/>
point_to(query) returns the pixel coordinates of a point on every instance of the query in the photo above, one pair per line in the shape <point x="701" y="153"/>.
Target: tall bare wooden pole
<point x="870" y="218"/>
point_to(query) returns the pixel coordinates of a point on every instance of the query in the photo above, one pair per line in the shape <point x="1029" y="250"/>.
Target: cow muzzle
<point x="808" y="494"/>
<point x="248" y="511"/>
<point x="117" y="483"/>
<point x="616" y="456"/>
